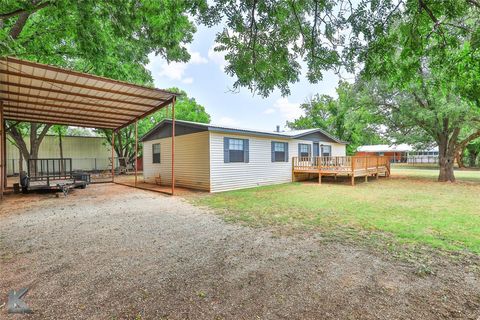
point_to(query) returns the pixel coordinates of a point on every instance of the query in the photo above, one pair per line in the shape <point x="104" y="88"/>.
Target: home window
<point x="326" y="151"/>
<point x="156" y="153"/>
<point x="279" y="151"/>
<point x="304" y="150"/>
<point x="235" y="150"/>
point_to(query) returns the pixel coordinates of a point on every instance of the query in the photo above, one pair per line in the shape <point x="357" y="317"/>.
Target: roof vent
<point x="278" y="128"/>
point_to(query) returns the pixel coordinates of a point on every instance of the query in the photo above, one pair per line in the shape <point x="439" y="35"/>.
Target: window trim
<point x="309" y="150"/>
<point x="274" y="152"/>
<point x="329" y="148"/>
<point x="159" y="153"/>
<point x="226" y="150"/>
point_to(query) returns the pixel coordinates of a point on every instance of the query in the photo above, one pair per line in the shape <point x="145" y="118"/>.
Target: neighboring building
<point x="87" y="153"/>
<point x="219" y="158"/>
<point x="400" y="153"/>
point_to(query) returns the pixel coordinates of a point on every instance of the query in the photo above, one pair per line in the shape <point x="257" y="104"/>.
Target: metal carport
<point x="40" y="93"/>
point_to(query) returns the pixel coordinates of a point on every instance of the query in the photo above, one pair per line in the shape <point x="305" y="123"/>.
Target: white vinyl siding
<point x="260" y="170"/>
<point x="191" y="161"/>
<point x="338" y="149"/>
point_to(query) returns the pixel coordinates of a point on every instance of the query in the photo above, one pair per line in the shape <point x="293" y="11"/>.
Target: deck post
<point x="319" y="167"/>
<point x="293" y="169"/>
<point x="353" y="171"/>
<point x="376" y="175"/>
<point x="173" y="146"/>
<point x="136" y="151"/>
<point x="366" y="169"/>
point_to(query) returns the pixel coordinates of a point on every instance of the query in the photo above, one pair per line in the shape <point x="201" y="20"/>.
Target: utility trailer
<point x="52" y="174"/>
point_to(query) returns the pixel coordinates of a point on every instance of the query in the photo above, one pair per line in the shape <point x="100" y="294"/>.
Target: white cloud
<point x="217" y="58"/>
<point x="196" y="58"/>
<point x="177" y="70"/>
<point x="172" y="70"/>
<point x="188" y="80"/>
<point x="269" y="111"/>
<point x="288" y="110"/>
<point x="227" y="121"/>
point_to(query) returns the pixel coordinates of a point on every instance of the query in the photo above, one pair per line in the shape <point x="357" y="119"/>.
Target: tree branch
<point x="465" y="141"/>
<point x="4" y="16"/>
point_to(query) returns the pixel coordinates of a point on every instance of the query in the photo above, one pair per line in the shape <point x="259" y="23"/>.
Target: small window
<point x="326" y="151"/>
<point x="304" y="150"/>
<point x="236" y="148"/>
<point x="156" y="153"/>
<point x="279" y="151"/>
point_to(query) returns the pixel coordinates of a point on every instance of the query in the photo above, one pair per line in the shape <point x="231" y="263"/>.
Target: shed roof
<point x="35" y="92"/>
<point x="293" y="134"/>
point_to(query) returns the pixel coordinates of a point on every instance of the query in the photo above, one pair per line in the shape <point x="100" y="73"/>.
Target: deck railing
<point x="340" y="163"/>
<point x="351" y="166"/>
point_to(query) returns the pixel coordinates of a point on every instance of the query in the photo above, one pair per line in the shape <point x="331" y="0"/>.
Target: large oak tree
<point x="423" y="65"/>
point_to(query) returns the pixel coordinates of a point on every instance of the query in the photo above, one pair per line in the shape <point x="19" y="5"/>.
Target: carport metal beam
<point x="173" y="147"/>
<point x="3" y="175"/>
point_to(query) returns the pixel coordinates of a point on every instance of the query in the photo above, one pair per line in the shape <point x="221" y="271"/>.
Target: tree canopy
<point x="423" y="55"/>
<point x="105" y="38"/>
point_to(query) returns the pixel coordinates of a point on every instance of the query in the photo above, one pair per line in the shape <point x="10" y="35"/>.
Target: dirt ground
<point x="113" y="252"/>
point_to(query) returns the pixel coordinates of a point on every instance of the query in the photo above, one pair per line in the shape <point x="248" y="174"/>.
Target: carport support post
<point x="136" y="151"/>
<point x="113" y="159"/>
<point x="173" y="146"/>
<point x="2" y="153"/>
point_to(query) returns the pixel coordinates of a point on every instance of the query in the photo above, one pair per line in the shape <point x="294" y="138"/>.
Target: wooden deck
<point x="354" y="166"/>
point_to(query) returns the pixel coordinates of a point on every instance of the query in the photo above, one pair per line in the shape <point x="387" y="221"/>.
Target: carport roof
<point x="42" y="93"/>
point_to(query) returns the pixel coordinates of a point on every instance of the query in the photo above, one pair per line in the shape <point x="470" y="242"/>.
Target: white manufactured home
<point x="220" y="158"/>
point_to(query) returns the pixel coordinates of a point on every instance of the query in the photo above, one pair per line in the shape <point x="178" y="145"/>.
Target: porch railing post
<point x="366" y="169"/>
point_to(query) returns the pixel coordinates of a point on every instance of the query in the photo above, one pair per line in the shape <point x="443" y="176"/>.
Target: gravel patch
<point x="113" y="252"/>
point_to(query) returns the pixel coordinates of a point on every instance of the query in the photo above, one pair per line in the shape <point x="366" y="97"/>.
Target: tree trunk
<point x="35" y="141"/>
<point x="60" y="145"/>
<point x="446" y="161"/>
<point x="472" y="158"/>
<point x="20" y="161"/>
<point x="460" y="161"/>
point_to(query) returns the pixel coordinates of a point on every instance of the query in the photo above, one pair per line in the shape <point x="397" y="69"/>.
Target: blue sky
<point x="204" y="79"/>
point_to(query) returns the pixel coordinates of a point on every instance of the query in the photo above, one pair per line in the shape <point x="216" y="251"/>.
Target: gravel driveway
<point x="111" y="252"/>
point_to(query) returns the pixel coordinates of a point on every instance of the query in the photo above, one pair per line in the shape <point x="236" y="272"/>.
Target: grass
<point x="410" y="208"/>
<point x="432" y="173"/>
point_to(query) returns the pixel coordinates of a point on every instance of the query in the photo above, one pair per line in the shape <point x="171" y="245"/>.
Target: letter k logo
<point x="15" y="304"/>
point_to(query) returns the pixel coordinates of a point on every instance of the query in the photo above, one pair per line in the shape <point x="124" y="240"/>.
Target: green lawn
<point x="410" y="207"/>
